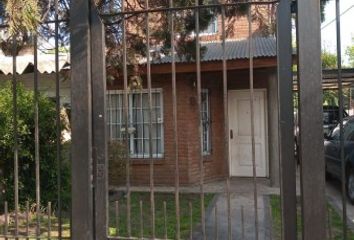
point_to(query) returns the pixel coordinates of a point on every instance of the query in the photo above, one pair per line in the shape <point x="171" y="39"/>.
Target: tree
<point x="24" y="18"/>
<point x="329" y="60"/>
<point x="26" y="150"/>
<point x="350" y="54"/>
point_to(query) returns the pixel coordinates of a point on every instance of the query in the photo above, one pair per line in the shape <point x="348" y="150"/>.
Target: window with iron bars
<point x="206" y="122"/>
<point x="138" y="121"/>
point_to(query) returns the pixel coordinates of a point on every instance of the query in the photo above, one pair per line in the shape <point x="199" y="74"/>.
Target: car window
<point x="331" y="115"/>
<point x="326" y="118"/>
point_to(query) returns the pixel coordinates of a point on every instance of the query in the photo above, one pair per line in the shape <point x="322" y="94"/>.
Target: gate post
<point x="311" y="121"/>
<point x="99" y="132"/>
<point x="81" y="121"/>
<point x="286" y="120"/>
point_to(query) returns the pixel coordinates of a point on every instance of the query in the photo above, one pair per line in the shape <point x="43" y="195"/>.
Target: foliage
<point x="334" y="222"/>
<point x="323" y="5"/>
<point x="329" y="60"/>
<point x="330" y="98"/>
<point x="26" y="148"/>
<point x="23" y="16"/>
<point x="117" y="155"/>
<point x="136" y="35"/>
<point x="350" y="54"/>
<point x="184" y="25"/>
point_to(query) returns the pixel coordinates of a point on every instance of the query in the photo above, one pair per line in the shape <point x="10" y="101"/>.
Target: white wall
<point x="47" y="84"/>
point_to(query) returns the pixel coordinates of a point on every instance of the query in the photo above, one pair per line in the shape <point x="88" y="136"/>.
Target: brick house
<point x="189" y="147"/>
<point x="266" y="112"/>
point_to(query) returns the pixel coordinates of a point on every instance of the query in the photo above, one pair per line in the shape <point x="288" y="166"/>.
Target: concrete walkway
<point x="334" y="194"/>
<point x="241" y="197"/>
<point x="242" y="213"/>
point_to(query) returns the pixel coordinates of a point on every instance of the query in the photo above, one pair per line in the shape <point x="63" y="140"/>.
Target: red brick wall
<point x="188" y="133"/>
<point x="237" y="27"/>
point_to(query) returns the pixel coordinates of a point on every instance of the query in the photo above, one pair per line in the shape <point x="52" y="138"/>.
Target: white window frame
<point x="206" y="146"/>
<point x="212" y="22"/>
<point x="120" y="107"/>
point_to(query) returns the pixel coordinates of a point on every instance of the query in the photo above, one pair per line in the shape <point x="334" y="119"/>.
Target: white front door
<point x="240" y="145"/>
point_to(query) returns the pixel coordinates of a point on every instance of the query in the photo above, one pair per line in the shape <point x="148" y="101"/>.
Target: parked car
<point x="330" y="120"/>
<point x="333" y="152"/>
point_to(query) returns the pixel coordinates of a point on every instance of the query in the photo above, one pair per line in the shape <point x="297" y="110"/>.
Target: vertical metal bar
<point x="49" y="212"/>
<point x="110" y="104"/>
<point x="255" y="193"/>
<point x="100" y="172"/>
<point x="126" y="120"/>
<point x="350" y="98"/>
<point x="15" y="135"/>
<point x="36" y="135"/>
<point x="6" y="225"/>
<point x="199" y="93"/>
<point x="226" y="123"/>
<point x="190" y="221"/>
<point x="58" y="124"/>
<point x="175" y="121"/>
<point x="311" y="131"/>
<point x="81" y="122"/>
<point x="329" y="223"/>
<point x="117" y="218"/>
<point x="216" y="236"/>
<point x="151" y="164"/>
<point x="341" y="126"/>
<point x="286" y="120"/>
<point x="242" y="223"/>
<point x="27" y="220"/>
<point x="165" y="219"/>
<point x="141" y="110"/>
<point x="157" y="122"/>
<point x="141" y="220"/>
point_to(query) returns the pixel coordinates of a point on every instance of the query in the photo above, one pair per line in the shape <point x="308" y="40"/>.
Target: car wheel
<point x="350" y="185"/>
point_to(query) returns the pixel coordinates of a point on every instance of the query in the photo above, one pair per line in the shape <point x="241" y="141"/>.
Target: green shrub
<point x="117" y="154"/>
<point x="26" y="148"/>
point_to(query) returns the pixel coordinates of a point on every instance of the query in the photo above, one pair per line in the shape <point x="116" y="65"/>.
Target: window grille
<point x="205" y="113"/>
<point x="138" y="129"/>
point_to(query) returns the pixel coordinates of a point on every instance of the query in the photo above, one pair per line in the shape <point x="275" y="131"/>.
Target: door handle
<point x="231" y="134"/>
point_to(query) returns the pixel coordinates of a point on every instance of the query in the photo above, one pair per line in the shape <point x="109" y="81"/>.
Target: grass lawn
<point x="44" y="227"/>
<point x="334" y="231"/>
<point x="160" y="198"/>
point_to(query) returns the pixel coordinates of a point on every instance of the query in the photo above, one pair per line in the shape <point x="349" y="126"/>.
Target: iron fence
<point x="33" y="219"/>
<point x="131" y="113"/>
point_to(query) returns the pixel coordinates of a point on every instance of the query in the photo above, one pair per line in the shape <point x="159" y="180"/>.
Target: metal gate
<point x="119" y="110"/>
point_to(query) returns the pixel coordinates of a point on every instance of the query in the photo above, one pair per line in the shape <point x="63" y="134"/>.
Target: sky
<point x="329" y="41"/>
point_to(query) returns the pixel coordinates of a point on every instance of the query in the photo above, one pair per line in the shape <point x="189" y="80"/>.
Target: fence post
<point x="286" y="120"/>
<point x="100" y="164"/>
<point x="311" y="121"/>
<point x="81" y="121"/>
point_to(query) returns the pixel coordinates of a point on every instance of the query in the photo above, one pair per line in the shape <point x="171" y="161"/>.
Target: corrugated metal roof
<point x="46" y="63"/>
<point x="262" y="47"/>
